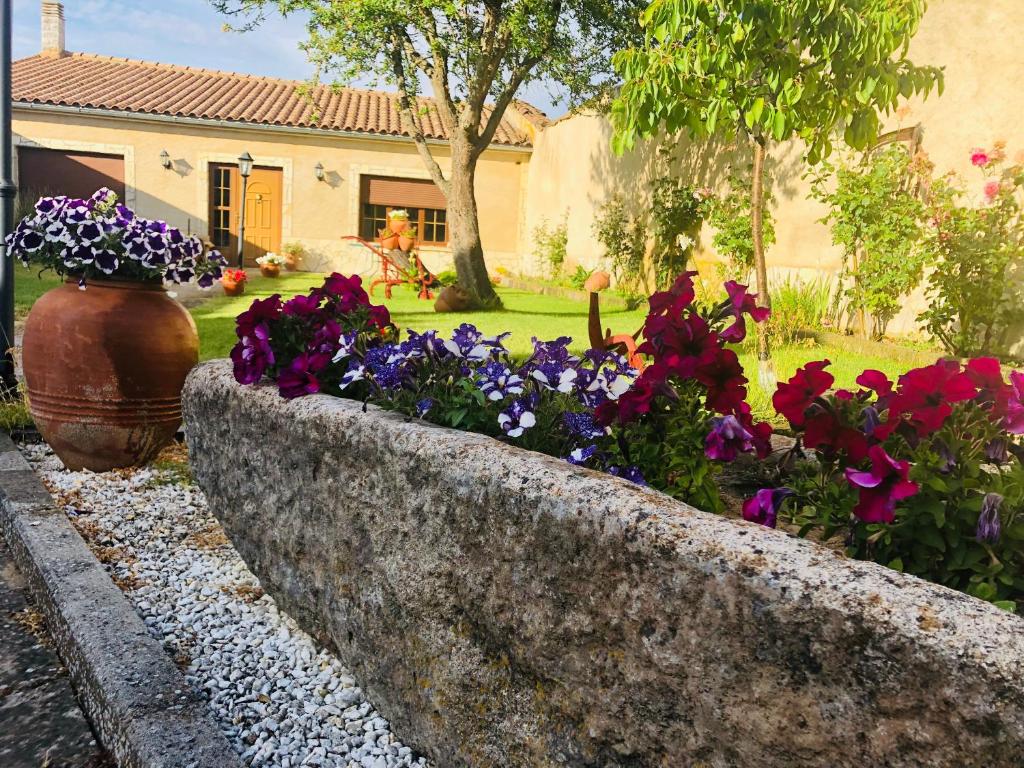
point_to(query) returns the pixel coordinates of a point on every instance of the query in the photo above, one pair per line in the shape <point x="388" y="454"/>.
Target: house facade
<point x="328" y="164"/>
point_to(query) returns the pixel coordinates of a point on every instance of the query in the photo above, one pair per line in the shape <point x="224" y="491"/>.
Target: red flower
<point x="882" y="487"/>
<point x="719" y="370"/>
<point x="742" y="302"/>
<point x="794" y="397"/>
<point x="761" y="432"/>
<point x="637" y="400"/>
<point x="260" y="311"/>
<point x="824" y="432"/>
<point x="677" y="298"/>
<point x="1013" y="422"/>
<point x="925" y="395"/>
<point x="877" y="382"/>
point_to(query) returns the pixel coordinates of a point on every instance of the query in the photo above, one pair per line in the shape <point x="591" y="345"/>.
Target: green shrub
<point x="875" y="215"/>
<point x="446" y="278"/>
<point x="799" y="306"/>
<point x="729" y="214"/>
<point x="624" y="238"/>
<point x="579" y="277"/>
<point x="551" y="245"/>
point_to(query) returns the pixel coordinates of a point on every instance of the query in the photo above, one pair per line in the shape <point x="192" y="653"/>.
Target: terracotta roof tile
<point x="104" y="82"/>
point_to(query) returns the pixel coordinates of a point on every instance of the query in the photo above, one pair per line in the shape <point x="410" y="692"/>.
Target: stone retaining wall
<point x="503" y="608"/>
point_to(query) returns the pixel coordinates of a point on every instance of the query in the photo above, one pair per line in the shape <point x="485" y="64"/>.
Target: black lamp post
<point x="244" y="169"/>
<point x="8" y="381"/>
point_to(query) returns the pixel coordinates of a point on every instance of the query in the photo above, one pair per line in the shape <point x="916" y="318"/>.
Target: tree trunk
<point x="766" y="373"/>
<point x="464" y="230"/>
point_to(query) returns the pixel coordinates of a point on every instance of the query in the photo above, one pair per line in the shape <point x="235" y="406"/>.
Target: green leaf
<point x="1006" y="605"/>
<point x="896" y="564"/>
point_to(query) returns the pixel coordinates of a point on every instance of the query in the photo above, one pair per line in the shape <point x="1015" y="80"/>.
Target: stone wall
<point x="503" y="608"/>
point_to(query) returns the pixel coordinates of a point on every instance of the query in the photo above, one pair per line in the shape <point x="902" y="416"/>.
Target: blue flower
<point x="423" y="407"/>
<point x="556" y="351"/>
<point x="580" y="456"/>
<point x="517" y="418"/>
<point x="990" y="527"/>
<point x="467" y="342"/>
<point x="498" y="382"/>
<point x="582" y="425"/>
<point x="628" y="473"/>
<point x="554" y="375"/>
<point x="346" y="346"/>
<point x="356" y="372"/>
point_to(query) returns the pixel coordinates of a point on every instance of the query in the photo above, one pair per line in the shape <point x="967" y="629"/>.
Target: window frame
<point x="417" y="217"/>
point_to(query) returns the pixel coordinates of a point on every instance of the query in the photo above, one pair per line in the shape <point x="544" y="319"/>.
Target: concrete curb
<point x="144" y="711"/>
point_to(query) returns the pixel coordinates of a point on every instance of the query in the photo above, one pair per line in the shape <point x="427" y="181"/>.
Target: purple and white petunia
<point x="497" y="382"/>
<point x="517" y="418"/>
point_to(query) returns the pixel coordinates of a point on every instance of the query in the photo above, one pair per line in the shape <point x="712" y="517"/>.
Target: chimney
<point x="53" y="28"/>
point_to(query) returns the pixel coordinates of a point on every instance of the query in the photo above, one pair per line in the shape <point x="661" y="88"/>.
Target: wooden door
<point x="262" y="211"/>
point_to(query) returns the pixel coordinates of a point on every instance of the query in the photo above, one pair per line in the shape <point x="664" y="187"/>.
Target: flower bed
<point x="923" y="475"/>
<point x="506" y="608"/>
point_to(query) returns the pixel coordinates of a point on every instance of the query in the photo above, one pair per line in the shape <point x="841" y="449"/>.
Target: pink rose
<point x="979" y="157"/>
<point x="991" y="190"/>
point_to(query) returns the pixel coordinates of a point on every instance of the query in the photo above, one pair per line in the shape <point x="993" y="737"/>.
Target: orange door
<point x="262" y="211"/>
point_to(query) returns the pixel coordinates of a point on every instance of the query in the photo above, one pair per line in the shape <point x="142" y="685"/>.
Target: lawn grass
<point x="29" y="286"/>
<point x="527" y="315"/>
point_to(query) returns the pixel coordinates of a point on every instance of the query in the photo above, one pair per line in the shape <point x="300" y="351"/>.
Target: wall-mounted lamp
<point x="165" y="159"/>
<point x="318" y="169"/>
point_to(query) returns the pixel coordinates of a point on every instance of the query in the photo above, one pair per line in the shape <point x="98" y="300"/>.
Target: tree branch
<point x="405" y="101"/>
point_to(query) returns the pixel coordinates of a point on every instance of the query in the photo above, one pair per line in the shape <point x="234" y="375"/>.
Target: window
<point x="422" y="199"/>
<point x="220" y="205"/>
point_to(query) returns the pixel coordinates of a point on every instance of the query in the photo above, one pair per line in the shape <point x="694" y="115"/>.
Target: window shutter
<point x="401" y="193"/>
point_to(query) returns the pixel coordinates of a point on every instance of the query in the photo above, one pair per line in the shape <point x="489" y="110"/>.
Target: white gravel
<point x="279" y="698"/>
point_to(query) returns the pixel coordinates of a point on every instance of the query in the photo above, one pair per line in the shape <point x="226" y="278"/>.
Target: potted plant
<point x="233" y="281"/>
<point x="388" y="239"/>
<point x="106" y="353"/>
<point x="293" y="254"/>
<point x="270" y="264"/>
<point x="407" y="238"/>
<point x="398" y="220"/>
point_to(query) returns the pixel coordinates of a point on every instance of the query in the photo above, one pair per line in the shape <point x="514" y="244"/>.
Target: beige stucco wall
<point x="981" y="46"/>
<point x="316" y="213"/>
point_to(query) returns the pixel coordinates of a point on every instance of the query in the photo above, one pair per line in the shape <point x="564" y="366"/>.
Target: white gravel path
<point x="282" y="700"/>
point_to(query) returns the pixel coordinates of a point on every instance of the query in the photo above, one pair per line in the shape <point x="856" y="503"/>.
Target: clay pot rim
<point x="122" y="285"/>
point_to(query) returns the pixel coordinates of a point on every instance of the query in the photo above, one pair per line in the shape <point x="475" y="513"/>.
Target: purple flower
<point x="553" y="374"/>
<point x="763" y="507"/>
<point x="580" y="456"/>
<point x="252" y="355"/>
<point x="356" y="372"/>
<point x="423" y="407"/>
<point x="346" y="346"/>
<point x="989" y="525"/>
<point x="517" y="418"/>
<point x="632" y="474"/>
<point x="467" y="343"/>
<point x="107" y="262"/>
<point x="882" y="487"/>
<point x="998" y="450"/>
<point x="299" y="378"/>
<point x="301" y="306"/>
<point x="582" y="425"/>
<point x="727" y="439"/>
<point x="555" y="351"/>
<point x="30" y="241"/>
<point x="498" y="382"/>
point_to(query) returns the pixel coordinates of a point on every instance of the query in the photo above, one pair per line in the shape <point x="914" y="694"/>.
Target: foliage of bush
<point x="976" y="249"/>
<point x="551" y="242"/>
<point x="624" y="238"/>
<point x="729" y="214"/>
<point x="579" y="277"/>
<point x="924" y="476"/>
<point x="446" y="278"/>
<point x="677" y="213"/>
<point x="799" y="306"/>
<point x="875" y="214"/>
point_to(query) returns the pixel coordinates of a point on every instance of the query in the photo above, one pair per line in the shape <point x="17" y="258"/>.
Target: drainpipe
<point x="8" y="381"/>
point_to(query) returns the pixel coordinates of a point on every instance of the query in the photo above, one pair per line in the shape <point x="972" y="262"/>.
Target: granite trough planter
<point x="503" y="608"/>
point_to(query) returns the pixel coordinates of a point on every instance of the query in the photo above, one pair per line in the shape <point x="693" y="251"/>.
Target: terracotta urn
<point x="291" y="261"/>
<point x="452" y="298"/>
<point x="104" y="368"/>
<point x="405" y="244"/>
<point x="270" y="270"/>
<point x="389" y="242"/>
<point x="232" y="287"/>
<point x="398" y="226"/>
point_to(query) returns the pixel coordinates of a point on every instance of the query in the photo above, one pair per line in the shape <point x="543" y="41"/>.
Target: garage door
<point x="75" y="174"/>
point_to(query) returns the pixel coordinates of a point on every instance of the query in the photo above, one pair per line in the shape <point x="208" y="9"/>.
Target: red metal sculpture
<point x="398" y="268"/>
<point x="622" y="343"/>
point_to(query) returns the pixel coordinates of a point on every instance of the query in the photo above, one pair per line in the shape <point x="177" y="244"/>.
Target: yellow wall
<point x="572" y="171"/>
<point x="315" y="213"/>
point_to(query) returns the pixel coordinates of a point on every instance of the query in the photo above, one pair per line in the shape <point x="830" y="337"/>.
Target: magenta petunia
<point x="742" y="303"/>
<point x="881" y="487"/>
<point x="763" y="507"/>
<point x="794" y="397"/>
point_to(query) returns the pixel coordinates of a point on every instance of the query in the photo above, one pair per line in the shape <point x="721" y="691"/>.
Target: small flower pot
<point x="231" y="288"/>
<point x="398" y="226"/>
<point x="389" y="243"/>
<point x="270" y="270"/>
<point x="406" y="243"/>
<point x="291" y="262"/>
